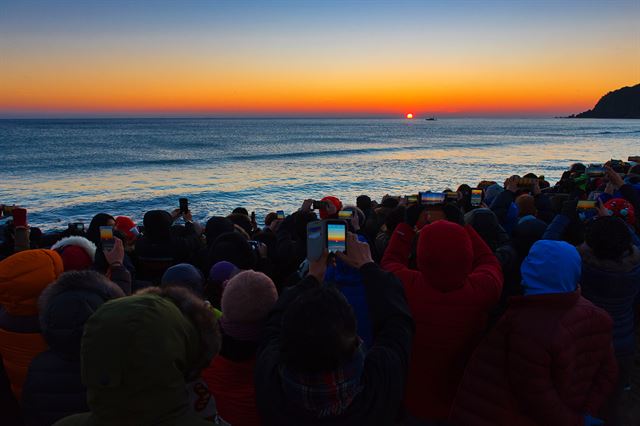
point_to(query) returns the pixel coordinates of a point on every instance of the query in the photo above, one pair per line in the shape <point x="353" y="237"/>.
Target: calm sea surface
<point x="68" y="170"/>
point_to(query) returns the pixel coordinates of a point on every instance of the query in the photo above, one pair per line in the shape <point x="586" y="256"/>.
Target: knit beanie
<point x="246" y="301"/>
<point x="333" y="200"/>
<point x="621" y="208"/>
<point x="127" y="226"/>
<point x="184" y="275"/>
<point x="491" y="193"/>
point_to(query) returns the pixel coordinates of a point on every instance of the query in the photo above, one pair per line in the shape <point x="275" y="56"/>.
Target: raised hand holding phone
<point x="19" y="217"/>
<point x="358" y="253"/>
<point x="115" y="256"/>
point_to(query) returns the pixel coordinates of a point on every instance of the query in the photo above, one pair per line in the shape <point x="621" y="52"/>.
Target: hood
<point x="625" y="265"/>
<point x="66" y="305"/>
<point x="444" y="255"/>
<point x="217" y="226"/>
<point x="486" y="224"/>
<point x="77" y="252"/>
<point x="136" y="352"/>
<point x="551" y="267"/>
<point x="23" y="276"/>
<point x="157" y="225"/>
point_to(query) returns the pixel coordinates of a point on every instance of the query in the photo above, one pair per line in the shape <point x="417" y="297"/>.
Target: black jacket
<point x="385" y="368"/>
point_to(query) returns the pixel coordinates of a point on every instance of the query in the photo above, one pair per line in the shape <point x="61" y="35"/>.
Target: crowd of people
<point x="517" y="308"/>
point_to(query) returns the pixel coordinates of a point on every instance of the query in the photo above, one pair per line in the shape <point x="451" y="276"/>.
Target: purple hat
<point x="222" y="271"/>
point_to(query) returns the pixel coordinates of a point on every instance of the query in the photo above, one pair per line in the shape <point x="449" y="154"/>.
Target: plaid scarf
<point x="325" y="394"/>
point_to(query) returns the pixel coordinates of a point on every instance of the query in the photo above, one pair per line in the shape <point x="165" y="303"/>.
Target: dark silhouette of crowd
<point x="512" y="303"/>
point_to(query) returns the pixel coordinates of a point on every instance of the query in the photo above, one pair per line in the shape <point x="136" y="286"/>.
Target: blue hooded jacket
<point x="551" y="267"/>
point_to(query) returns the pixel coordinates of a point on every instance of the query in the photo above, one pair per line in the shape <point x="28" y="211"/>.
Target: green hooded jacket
<point x="136" y="352"/>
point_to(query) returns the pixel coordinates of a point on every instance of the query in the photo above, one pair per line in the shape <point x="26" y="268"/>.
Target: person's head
<point x="240" y="210"/>
<point x="77" y="253"/>
<point x="525" y="234"/>
<point x="486" y="224"/>
<point x="634" y="170"/>
<point x="219" y="274"/>
<point x="609" y="238"/>
<point x="551" y="267"/>
<point x="444" y="254"/>
<point x="491" y="193"/>
<point x="157" y="225"/>
<point x="526" y="205"/>
<point x="127" y="227"/>
<point x="215" y="227"/>
<point x="68" y="303"/>
<point x="23" y="277"/>
<point x="233" y="248"/>
<point x="101" y="219"/>
<point x="621" y="208"/>
<point x="389" y="203"/>
<point x="247" y="299"/>
<point x="184" y="275"/>
<point x="241" y="220"/>
<point x="301" y="220"/>
<point x="464" y="189"/>
<point x="318" y="331"/>
<point x="335" y="205"/>
<point x="269" y="218"/>
<point x="364" y="203"/>
<point x="138" y="353"/>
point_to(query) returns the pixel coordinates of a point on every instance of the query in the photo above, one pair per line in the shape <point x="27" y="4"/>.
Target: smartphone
<point x="7" y="210"/>
<point x="76" y="227"/>
<point x="451" y="195"/>
<point x="106" y="237"/>
<point x="315" y="240"/>
<point x="432" y="198"/>
<point x="345" y="214"/>
<point x="595" y="171"/>
<point x="336" y="236"/>
<point x="586" y="205"/>
<point x="280" y="215"/>
<point x="634" y="158"/>
<point x="19" y="217"/>
<point x="476" y="197"/>
<point x="184" y="205"/>
<point x="317" y="205"/>
<point x="411" y="199"/>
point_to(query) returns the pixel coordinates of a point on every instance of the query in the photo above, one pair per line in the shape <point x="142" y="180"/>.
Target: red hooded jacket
<point x="457" y="282"/>
<point x="549" y="361"/>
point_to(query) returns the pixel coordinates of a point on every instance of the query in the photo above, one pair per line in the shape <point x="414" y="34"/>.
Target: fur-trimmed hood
<point x="86" y="245"/>
<point x="66" y="305"/>
<point x="627" y="264"/>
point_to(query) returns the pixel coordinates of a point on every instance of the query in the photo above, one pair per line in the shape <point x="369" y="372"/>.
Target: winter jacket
<point x="23" y="277"/>
<point x="506" y="210"/>
<point x="457" y="283"/>
<point x="53" y="388"/>
<point x="136" y="352"/>
<point x="9" y="407"/>
<point x="614" y="287"/>
<point x="549" y="361"/>
<point x="385" y="365"/>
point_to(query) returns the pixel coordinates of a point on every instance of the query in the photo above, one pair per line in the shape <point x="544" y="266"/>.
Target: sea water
<point x="68" y="170"/>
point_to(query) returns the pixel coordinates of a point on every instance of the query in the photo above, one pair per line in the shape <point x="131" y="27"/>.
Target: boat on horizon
<point x="430" y="119"/>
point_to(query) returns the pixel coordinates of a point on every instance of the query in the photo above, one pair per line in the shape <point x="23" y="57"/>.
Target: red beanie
<point x="127" y="226"/>
<point x="621" y="208"/>
<point x="333" y="200"/>
<point x="75" y="258"/>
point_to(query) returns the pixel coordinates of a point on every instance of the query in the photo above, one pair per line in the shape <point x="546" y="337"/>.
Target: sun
<point x="409" y="116"/>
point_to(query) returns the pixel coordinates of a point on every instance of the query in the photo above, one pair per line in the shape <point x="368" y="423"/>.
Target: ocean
<point x="68" y="170"/>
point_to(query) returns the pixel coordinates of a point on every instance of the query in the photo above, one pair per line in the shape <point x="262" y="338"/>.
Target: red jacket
<point x="549" y="361"/>
<point x="231" y="384"/>
<point x="457" y="282"/>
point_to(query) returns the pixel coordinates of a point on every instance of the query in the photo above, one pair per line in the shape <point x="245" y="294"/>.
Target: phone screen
<point x="106" y="237"/>
<point x="476" y="197"/>
<point x="345" y="214"/>
<point x="595" y="171"/>
<point x="336" y="237"/>
<point x="411" y="199"/>
<point x="432" y="198"/>
<point x="280" y="215"/>
<point x="586" y="205"/>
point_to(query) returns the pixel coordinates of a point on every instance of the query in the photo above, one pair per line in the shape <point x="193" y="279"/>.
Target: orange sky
<point x="285" y="70"/>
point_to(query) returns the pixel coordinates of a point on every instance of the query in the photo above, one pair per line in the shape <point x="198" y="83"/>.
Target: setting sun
<point x="409" y="116"/>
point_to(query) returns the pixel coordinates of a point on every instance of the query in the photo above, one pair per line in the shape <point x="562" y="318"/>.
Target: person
<point x="138" y="354"/>
<point x="23" y="276"/>
<point x="611" y="281"/>
<point x="550" y="359"/>
<point x="93" y="232"/>
<point x="77" y="253"/>
<point x="9" y="407"/>
<point x="457" y="283"/>
<point x="53" y="388"/>
<point x="246" y="301"/>
<point x="184" y="275"/>
<point x="127" y="227"/>
<point x="311" y="368"/>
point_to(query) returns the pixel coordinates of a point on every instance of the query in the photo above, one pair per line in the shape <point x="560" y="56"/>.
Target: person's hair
<point x="270" y="217"/>
<point x="234" y="248"/>
<point x="93" y="232"/>
<point x="318" y="331"/>
<point x="608" y="237"/>
<point x="464" y="188"/>
<point x="363" y="202"/>
<point x="215" y="227"/>
<point x="241" y="220"/>
<point x="530" y="176"/>
<point x="526" y="205"/>
<point x="202" y="319"/>
<point x="240" y="210"/>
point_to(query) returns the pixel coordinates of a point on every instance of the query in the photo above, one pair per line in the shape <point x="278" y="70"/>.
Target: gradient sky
<point x="319" y="58"/>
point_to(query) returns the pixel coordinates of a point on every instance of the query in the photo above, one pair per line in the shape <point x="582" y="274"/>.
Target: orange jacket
<point x="23" y="276"/>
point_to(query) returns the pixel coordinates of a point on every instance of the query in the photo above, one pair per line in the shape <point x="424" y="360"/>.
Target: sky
<point x="239" y="58"/>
